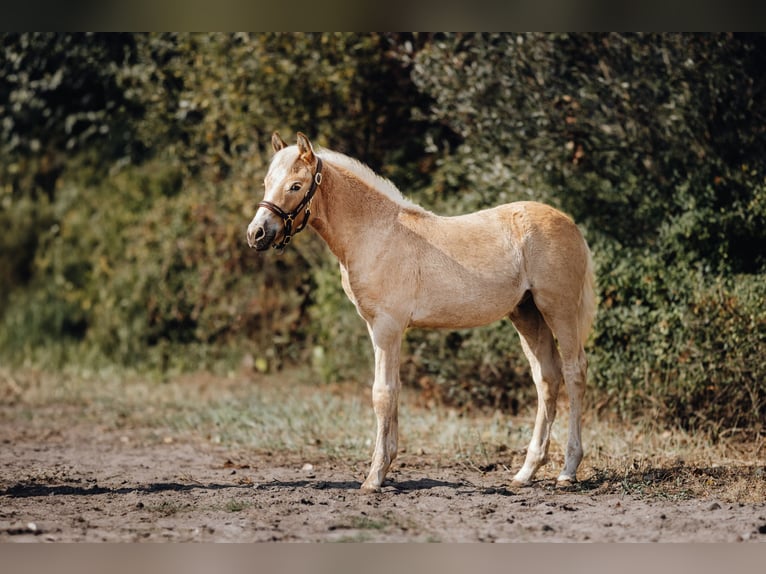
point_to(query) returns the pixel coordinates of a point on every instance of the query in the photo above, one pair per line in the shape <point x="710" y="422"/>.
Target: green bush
<point x="608" y="127"/>
<point x="470" y="368"/>
<point x="680" y="346"/>
<point x="161" y="267"/>
<point x="136" y="242"/>
<point x="648" y="142"/>
<point x="132" y="163"/>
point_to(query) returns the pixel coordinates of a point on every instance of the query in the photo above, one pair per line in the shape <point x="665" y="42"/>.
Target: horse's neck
<point x="350" y="214"/>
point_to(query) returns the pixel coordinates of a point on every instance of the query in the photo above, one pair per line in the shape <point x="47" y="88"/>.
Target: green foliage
<point x="62" y="91"/>
<point x="610" y="127"/>
<point x="145" y="260"/>
<point x="59" y="95"/>
<point x="159" y="271"/>
<point x="214" y="97"/>
<point x="649" y="142"/>
<point x="482" y="367"/>
<point x="675" y="344"/>
<point x="132" y="163"/>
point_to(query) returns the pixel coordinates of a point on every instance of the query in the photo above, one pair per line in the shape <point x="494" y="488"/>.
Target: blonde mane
<point x="367" y="176"/>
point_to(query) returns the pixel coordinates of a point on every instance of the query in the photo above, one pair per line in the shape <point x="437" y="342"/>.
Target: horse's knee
<point x="384" y="402"/>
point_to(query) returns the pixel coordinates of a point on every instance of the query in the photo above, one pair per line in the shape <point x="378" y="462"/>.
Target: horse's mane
<point x="369" y="177"/>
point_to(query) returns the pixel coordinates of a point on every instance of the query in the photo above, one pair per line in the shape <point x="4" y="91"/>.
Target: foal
<point x="403" y="266"/>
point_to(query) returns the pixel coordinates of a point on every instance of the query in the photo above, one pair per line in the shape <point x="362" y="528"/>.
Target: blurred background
<point x="131" y="165"/>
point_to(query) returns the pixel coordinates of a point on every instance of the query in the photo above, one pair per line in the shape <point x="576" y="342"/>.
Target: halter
<point x="289" y="218"/>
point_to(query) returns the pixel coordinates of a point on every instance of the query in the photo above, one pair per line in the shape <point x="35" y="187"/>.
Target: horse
<point x="405" y="267"/>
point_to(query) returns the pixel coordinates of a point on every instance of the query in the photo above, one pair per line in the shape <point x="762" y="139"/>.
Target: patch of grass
<point x="166" y="508"/>
<point x="237" y="505"/>
<point x="668" y="480"/>
<point x="367" y="523"/>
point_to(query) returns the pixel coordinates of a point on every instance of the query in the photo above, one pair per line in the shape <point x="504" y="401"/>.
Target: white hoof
<point x="522" y="478"/>
<point x="566" y="479"/>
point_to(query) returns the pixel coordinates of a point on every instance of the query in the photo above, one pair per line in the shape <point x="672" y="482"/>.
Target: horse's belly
<point x="453" y="307"/>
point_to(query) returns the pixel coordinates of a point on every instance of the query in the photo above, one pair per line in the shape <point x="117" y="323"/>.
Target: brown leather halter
<point x="289" y="218"/>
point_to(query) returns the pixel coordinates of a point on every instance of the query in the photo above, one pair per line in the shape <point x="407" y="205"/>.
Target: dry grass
<point x="287" y="412"/>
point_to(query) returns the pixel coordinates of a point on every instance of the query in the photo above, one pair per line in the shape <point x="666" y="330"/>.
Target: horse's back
<point x="473" y="269"/>
<point x="545" y="237"/>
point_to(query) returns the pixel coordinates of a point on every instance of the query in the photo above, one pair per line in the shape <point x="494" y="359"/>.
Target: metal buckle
<point x="318" y="178"/>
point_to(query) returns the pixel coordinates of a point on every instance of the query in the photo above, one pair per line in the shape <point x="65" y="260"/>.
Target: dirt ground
<point x="73" y="483"/>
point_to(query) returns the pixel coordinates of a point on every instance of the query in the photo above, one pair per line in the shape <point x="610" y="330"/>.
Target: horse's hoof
<point x="523" y="478"/>
<point x="565" y="481"/>
<point x="369" y="489"/>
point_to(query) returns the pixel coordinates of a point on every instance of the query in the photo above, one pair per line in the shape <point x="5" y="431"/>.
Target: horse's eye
<point x="295" y="187"/>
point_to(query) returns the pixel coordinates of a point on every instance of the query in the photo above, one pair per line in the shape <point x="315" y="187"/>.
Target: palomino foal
<point x="403" y="266"/>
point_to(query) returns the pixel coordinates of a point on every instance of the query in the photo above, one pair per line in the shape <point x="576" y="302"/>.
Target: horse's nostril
<point x="255" y="235"/>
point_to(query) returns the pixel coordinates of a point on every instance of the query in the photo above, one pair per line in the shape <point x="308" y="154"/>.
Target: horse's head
<point x="292" y="179"/>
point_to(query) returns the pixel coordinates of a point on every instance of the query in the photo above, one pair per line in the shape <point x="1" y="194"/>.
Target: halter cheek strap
<point x="289" y="218"/>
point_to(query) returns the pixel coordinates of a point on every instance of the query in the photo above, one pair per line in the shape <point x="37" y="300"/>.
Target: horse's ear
<point x="305" y="148"/>
<point x="277" y="142"/>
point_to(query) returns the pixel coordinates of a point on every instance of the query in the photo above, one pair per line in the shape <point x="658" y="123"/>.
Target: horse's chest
<point x="346" y="284"/>
<point x="373" y="292"/>
<point x="355" y="290"/>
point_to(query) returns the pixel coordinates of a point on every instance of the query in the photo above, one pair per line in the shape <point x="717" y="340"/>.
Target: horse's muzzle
<point x="260" y="236"/>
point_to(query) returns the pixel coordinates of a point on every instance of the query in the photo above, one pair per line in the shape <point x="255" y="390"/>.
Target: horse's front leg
<point x="386" y="338"/>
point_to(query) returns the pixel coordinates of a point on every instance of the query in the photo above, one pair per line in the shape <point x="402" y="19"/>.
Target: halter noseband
<point x="289" y="218"/>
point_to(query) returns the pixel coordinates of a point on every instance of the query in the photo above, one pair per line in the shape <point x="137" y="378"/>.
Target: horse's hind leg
<point x="540" y="349"/>
<point x="575" y="366"/>
<point x="574" y="369"/>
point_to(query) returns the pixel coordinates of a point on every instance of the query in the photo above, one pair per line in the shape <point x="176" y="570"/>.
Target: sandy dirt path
<point x="81" y="484"/>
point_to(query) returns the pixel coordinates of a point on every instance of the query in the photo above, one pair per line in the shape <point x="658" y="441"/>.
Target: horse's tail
<point x="587" y="310"/>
